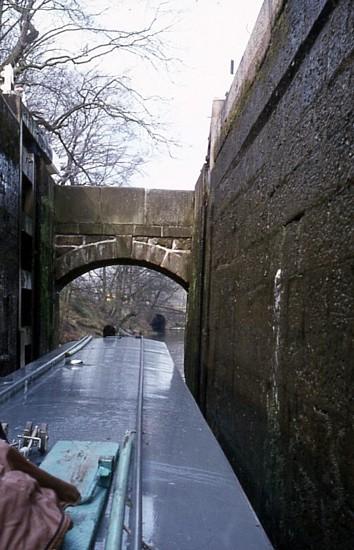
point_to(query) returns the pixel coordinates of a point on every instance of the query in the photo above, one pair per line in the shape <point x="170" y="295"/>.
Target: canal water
<point x="174" y="340"/>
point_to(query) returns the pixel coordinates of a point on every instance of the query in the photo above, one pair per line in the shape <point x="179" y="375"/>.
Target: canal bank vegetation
<point x="130" y="298"/>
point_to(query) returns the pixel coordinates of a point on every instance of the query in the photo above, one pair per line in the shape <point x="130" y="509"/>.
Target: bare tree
<point x="125" y="296"/>
<point x="96" y="120"/>
<point x="96" y="125"/>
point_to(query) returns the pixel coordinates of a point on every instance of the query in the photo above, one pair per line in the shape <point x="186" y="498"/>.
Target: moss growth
<point x="282" y="29"/>
<point x="235" y="112"/>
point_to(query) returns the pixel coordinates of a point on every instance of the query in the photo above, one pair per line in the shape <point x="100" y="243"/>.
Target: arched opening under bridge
<point x="128" y="298"/>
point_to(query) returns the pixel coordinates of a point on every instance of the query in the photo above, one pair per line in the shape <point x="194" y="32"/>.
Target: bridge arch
<point x="79" y="259"/>
<point x="98" y="226"/>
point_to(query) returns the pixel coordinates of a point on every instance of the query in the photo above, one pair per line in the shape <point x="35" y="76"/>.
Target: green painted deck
<point x="88" y="466"/>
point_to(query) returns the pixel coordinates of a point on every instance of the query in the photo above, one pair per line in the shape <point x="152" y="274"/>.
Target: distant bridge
<point x="97" y="226"/>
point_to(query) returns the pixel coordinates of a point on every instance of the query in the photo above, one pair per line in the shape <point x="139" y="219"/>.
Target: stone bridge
<point x="97" y="226"/>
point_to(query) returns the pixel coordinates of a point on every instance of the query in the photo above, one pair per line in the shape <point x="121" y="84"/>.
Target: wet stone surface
<point x="9" y="236"/>
<point x="277" y="352"/>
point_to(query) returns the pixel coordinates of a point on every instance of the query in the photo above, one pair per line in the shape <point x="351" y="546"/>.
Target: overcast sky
<point x="205" y="36"/>
<point x="208" y="35"/>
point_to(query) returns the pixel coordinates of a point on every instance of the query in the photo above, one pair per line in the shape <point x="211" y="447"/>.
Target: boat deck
<point x="192" y="500"/>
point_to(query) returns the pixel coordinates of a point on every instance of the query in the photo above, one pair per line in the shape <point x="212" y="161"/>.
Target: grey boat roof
<point x="192" y="499"/>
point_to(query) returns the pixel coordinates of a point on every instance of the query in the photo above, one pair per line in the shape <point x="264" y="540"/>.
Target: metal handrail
<point x="116" y="519"/>
<point x="78" y="346"/>
<point x="137" y="518"/>
<point x="16" y="386"/>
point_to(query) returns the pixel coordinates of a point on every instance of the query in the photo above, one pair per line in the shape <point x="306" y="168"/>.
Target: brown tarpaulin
<point x="31" y="504"/>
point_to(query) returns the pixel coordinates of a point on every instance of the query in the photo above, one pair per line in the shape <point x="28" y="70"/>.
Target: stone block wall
<point x="103" y="225"/>
<point x="9" y="237"/>
<point x="92" y="210"/>
<point x="27" y="324"/>
<point x="278" y="338"/>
